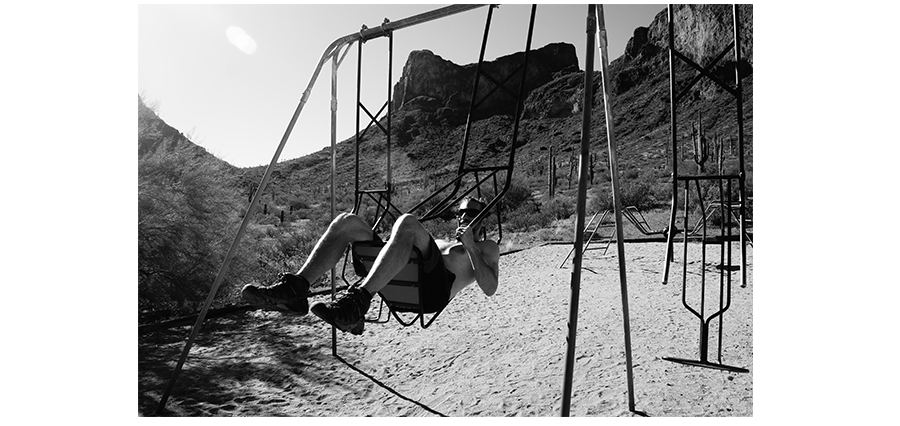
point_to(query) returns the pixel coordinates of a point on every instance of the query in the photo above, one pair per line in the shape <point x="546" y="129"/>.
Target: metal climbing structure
<point x="632" y="213"/>
<point x="726" y="205"/>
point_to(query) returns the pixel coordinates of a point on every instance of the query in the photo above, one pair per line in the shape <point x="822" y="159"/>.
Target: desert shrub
<point x="638" y="194"/>
<point x="631" y="174"/>
<point x="559" y="207"/>
<point x="186" y="215"/>
<point x="295" y="203"/>
<point x="517" y="196"/>
<point x="528" y="217"/>
<point x="281" y="249"/>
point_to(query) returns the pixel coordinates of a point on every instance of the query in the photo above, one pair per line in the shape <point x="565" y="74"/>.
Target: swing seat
<point x="403" y="293"/>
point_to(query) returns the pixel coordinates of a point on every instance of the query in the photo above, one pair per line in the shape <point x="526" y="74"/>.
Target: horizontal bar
<point x="485" y="169"/>
<point x="710" y="177"/>
<point x="721" y="239"/>
<point x="367" y="34"/>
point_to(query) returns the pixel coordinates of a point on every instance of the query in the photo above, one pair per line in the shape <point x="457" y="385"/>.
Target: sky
<point x="231" y="76"/>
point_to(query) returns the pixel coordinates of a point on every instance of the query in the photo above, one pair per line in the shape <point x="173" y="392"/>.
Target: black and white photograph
<point x="474" y="210"/>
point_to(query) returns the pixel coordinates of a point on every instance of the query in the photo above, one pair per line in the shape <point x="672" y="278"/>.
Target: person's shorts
<point x="435" y="285"/>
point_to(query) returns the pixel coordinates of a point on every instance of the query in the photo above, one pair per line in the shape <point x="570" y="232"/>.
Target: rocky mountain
<point x="431" y="99"/>
<point x="434" y="85"/>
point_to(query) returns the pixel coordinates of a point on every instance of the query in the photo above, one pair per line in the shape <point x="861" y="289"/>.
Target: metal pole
<point x="617" y="202"/>
<point x="670" y="234"/>
<point x="740" y="120"/>
<point x="334" y="103"/>
<point x="388" y="175"/>
<point x="367" y="34"/>
<point x="472" y="104"/>
<point x="330" y="51"/>
<point x="580" y="206"/>
<point x="359" y="61"/>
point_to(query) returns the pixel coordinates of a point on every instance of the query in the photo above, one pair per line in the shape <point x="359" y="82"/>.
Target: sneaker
<point x="347" y="312"/>
<point x="288" y="294"/>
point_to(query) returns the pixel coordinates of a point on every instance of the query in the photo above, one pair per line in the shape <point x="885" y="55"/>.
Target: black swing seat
<point x="402" y="294"/>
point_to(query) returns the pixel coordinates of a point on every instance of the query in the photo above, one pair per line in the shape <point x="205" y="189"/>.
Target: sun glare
<point x="240" y="39"/>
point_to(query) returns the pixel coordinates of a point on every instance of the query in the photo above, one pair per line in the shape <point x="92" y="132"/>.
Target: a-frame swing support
<point x="596" y="32"/>
<point x="331" y="53"/>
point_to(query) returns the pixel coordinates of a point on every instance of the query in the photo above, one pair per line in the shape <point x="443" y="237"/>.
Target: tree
<point x="186" y="215"/>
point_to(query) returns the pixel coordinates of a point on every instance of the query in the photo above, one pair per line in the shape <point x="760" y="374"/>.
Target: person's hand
<point x="465" y="235"/>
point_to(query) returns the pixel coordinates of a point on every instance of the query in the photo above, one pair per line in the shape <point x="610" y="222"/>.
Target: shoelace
<point x="284" y="290"/>
<point x="347" y="305"/>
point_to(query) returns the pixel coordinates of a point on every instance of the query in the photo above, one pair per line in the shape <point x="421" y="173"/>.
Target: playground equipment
<point x="333" y="53"/>
<point x="724" y="182"/>
<point x="596" y="38"/>
<point x="631" y="213"/>
<point x="402" y="294"/>
<point x="469" y="178"/>
<point x="730" y="209"/>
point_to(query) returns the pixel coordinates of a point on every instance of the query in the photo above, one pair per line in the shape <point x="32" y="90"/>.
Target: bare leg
<point x="343" y="230"/>
<point x="407" y="232"/>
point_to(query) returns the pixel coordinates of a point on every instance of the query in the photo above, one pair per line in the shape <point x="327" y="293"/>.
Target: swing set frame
<point x="335" y="53"/>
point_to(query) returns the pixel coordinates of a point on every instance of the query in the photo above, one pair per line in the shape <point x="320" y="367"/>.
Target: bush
<point x="559" y="207"/>
<point x="186" y="215"/>
<point x="280" y="249"/>
<point x="517" y="196"/>
<point x="638" y="194"/>
<point x="527" y="218"/>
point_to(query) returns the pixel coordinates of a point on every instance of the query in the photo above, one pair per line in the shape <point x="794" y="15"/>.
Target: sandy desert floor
<point x="497" y="356"/>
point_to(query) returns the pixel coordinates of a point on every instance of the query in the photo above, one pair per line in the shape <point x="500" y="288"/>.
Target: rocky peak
<point x="432" y="84"/>
<point x="701" y="32"/>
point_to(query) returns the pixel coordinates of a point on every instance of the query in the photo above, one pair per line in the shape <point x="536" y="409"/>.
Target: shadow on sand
<point x="388" y="388"/>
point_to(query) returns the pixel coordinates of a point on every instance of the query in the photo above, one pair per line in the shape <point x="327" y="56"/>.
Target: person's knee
<point x="409" y="227"/>
<point x="347" y="219"/>
<point x="348" y="222"/>
<point x="407" y="222"/>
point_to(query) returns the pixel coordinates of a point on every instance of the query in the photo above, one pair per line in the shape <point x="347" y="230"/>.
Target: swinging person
<point x="449" y="265"/>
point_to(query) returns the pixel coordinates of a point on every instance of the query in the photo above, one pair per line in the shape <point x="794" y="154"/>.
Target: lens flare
<point x="240" y="39"/>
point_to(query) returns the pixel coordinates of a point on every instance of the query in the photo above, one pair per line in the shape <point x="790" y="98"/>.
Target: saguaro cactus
<point x="719" y="154"/>
<point x="592" y="168"/>
<point x="701" y="147"/>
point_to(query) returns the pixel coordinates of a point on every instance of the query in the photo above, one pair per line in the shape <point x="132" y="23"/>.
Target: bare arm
<point x="485" y="257"/>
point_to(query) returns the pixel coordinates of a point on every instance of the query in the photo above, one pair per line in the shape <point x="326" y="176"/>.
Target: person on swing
<point x="450" y="266"/>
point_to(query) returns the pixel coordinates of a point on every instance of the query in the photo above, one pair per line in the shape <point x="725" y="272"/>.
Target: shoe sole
<point x="355" y="330"/>
<point x="285" y="307"/>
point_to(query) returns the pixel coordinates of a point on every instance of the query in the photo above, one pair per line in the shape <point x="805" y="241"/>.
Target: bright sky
<point x="231" y="76"/>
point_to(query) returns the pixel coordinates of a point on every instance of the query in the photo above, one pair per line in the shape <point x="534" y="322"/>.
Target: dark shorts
<point x="435" y="285"/>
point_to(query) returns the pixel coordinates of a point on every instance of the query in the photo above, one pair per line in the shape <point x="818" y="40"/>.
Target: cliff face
<point x="432" y="84"/>
<point x="701" y="32"/>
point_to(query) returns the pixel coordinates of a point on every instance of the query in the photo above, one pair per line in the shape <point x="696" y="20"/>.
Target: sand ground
<point x="484" y="356"/>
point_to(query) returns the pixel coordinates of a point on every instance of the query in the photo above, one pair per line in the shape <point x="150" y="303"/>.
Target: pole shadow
<point x="388" y="388"/>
